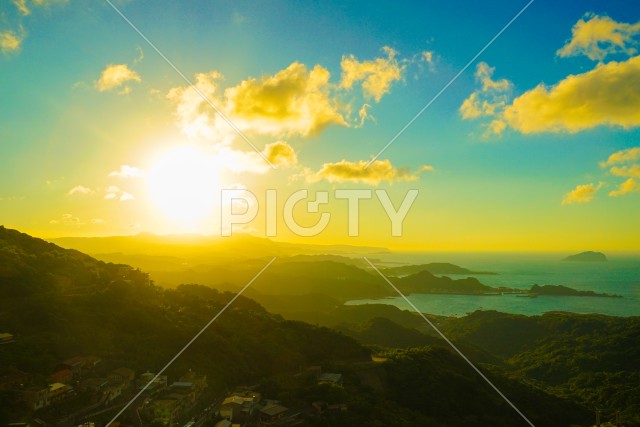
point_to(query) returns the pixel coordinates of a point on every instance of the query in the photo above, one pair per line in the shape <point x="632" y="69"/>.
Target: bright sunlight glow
<point x="184" y="183"/>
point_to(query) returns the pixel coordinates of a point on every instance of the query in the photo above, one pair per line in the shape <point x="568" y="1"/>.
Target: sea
<point x="620" y="275"/>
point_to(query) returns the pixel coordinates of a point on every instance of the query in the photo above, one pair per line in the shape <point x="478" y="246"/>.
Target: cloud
<point x="127" y="171"/>
<point x="581" y="194"/>
<point x="489" y="100"/>
<point x="81" y="190"/>
<point x="195" y="116"/>
<point x="280" y="154"/>
<point x="115" y="193"/>
<point x="293" y="101"/>
<point x="67" y="220"/>
<point x="598" y="36"/>
<point x="97" y="221"/>
<point x="629" y="171"/>
<point x="115" y="76"/>
<point x="427" y="56"/>
<point x="347" y="171"/>
<point x="10" y="42"/>
<point x="140" y="55"/>
<point x="607" y="95"/>
<point x="24" y="5"/>
<point x="376" y="75"/>
<point x="622" y="156"/>
<point x="629" y="186"/>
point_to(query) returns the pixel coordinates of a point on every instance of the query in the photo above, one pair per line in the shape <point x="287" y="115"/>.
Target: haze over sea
<point x="619" y="276"/>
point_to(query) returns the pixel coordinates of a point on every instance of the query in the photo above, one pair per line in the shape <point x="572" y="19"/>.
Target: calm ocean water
<point x="620" y="276"/>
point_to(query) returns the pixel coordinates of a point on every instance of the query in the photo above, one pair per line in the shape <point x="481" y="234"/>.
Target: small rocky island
<point x="588" y="256"/>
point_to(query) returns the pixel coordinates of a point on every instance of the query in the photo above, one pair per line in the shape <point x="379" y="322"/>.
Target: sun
<point x="184" y="183"/>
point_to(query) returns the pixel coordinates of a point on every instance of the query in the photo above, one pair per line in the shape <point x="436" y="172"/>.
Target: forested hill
<point x="60" y="303"/>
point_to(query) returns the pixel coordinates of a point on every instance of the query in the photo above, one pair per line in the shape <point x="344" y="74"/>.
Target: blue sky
<point x="489" y="190"/>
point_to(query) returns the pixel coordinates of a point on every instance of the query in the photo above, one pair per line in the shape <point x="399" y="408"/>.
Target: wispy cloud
<point x="375" y="76"/>
<point x="80" y="190"/>
<point x="490" y="98"/>
<point x="629" y="186"/>
<point x="374" y="174"/>
<point x="622" y="156"/>
<point x="10" y="42"/>
<point x="115" y="193"/>
<point x="581" y="194"/>
<point x="68" y="220"/>
<point x="127" y="171"/>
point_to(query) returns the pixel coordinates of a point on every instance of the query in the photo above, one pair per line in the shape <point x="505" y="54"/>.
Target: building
<point x="123" y="375"/>
<point x="94" y="385"/>
<point x="165" y="410"/>
<point x="240" y="406"/>
<point x="272" y="414"/>
<point x="330" y="378"/>
<point x="6" y="337"/>
<point x="58" y="391"/>
<point x="198" y="381"/>
<point x="154" y="384"/>
<point x="36" y="397"/>
<point x="64" y="376"/>
<point x="74" y="364"/>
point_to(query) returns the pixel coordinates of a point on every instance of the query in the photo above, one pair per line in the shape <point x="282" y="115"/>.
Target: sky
<point x="534" y="146"/>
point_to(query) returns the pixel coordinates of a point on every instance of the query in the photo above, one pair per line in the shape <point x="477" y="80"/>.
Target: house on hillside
<point x="155" y="383"/>
<point x="330" y="378"/>
<point x="272" y="414"/>
<point x="240" y="407"/>
<point x="64" y="376"/>
<point x="58" y="391"/>
<point x="165" y="410"/>
<point x="6" y="338"/>
<point x="36" y="397"/>
<point x="199" y="381"/>
<point x="94" y="385"/>
<point x="123" y="375"/>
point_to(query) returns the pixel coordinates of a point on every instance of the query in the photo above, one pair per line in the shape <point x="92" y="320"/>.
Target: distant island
<point x="433" y="268"/>
<point x="560" y="290"/>
<point x="427" y="283"/>
<point x="588" y="256"/>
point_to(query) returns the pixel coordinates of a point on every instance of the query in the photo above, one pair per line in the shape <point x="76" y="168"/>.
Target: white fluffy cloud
<point x="608" y="95"/>
<point x="116" y="76"/>
<point x="127" y="171"/>
<point x="598" y="36"/>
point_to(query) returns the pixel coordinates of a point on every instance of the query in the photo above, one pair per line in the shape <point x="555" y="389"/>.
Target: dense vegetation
<point x="61" y="303"/>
